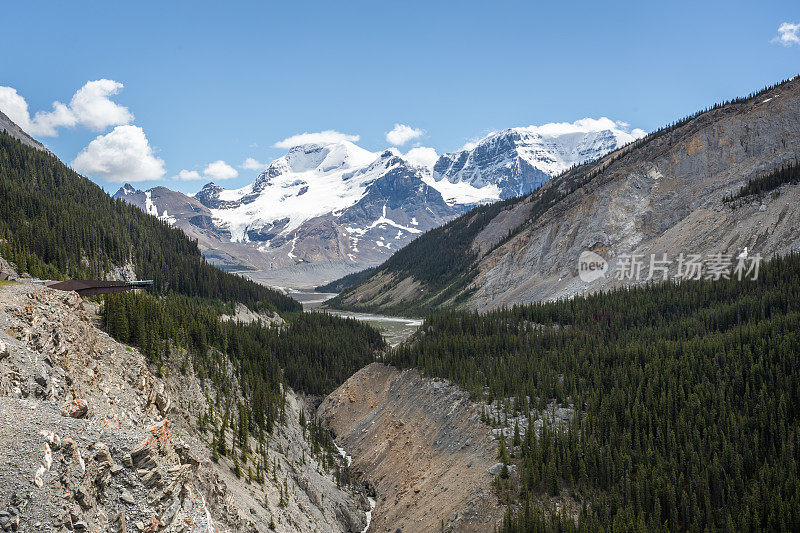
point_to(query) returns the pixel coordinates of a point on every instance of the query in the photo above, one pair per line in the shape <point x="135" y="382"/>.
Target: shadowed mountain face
<point x="323" y="211"/>
<point x="663" y="194"/>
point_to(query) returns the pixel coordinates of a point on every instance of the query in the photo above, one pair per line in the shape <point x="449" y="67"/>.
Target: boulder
<point x="77" y="408"/>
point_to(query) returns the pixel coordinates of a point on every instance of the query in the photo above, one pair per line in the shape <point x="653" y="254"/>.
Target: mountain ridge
<point x="326" y="210"/>
<point x="625" y="202"/>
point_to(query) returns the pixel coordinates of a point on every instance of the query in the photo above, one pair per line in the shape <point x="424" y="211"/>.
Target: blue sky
<point x="210" y="81"/>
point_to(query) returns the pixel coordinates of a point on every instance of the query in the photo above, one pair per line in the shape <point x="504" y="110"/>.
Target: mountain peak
<point x="126" y="189"/>
<point x="520" y="159"/>
<point x="328" y="157"/>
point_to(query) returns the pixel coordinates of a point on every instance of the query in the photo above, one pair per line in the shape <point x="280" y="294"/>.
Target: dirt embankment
<point x="422" y="446"/>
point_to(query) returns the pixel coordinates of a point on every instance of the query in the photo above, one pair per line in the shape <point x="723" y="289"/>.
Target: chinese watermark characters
<point x="714" y="266"/>
<point x="663" y="267"/>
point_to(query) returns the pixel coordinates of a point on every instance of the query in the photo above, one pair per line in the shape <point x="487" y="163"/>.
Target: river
<point x="394" y="329"/>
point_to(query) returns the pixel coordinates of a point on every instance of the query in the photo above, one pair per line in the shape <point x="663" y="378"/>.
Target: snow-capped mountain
<point x="317" y="213"/>
<point x="516" y="161"/>
<point x="325" y="210"/>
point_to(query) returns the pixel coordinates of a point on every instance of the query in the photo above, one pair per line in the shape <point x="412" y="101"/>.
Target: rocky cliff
<point x="325" y="210"/>
<point x="92" y="439"/>
<point x="421" y="445"/>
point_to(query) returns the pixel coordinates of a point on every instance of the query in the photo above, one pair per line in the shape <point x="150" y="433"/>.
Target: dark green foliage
<point x="350" y="280"/>
<point x="766" y="183"/>
<point x="149" y="322"/>
<point x="315" y="352"/>
<point x="688" y="400"/>
<point x="55" y="223"/>
<point x="318" y="351"/>
<point x="441" y="258"/>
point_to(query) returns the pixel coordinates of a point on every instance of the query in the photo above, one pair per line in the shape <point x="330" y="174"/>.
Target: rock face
<point x="421" y="445"/>
<point x="665" y="198"/>
<point x="92" y="439"/>
<point x="662" y="195"/>
<point x="317" y="213"/>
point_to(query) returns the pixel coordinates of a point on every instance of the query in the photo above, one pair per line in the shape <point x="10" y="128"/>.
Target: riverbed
<point x="394" y="329"/>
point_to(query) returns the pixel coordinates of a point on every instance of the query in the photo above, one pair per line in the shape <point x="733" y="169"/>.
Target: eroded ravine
<point x="421" y="446"/>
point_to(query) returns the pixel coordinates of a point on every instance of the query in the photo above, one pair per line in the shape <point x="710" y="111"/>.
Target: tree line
<point x="758" y="186"/>
<point x="444" y="259"/>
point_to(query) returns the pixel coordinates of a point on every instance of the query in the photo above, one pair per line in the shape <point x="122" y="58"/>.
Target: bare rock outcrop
<point x="92" y="439"/>
<point x="663" y="198"/>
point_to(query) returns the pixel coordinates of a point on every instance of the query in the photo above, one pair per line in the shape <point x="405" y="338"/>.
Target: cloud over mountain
<point x="91" y="106"/>
<point x="322" y="137"/>
<point x="401" y="134"/>
<point x="124" y="154"/>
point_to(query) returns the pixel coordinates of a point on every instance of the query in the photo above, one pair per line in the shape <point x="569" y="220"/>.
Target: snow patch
<point x="463" y="192"/>
<point x="384" y="220"/>
<point x="151" y="209"/>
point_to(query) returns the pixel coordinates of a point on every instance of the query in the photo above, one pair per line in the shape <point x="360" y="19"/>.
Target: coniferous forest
<point x="444" y="259"/>
<point x="761" y="185"/>
<point x="686" y="400"/>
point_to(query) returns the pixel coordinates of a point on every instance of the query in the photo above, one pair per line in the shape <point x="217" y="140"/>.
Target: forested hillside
<point x="55" y="223"/>
<point x="769" y="182"/>
<point x="686" y="395"/>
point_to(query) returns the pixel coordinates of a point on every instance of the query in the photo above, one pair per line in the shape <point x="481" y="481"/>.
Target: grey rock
<point x="41" y="380"/>
<point x="126" y="497"/>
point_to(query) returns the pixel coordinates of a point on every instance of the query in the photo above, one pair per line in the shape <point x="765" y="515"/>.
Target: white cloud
<point x="90" y="107"/>
<point x="473" y="142"/>
<point x="638" y="133"/>
<point x="788" y="34"/>
<point x="216" y="171"/>
<point x="470" y="144"/>
<point x="322" y="137"/>
<point x="584" y="125"/>
<point x="188" y="175"/>
<point x="401" y="134"/>
<point x="252" y="164"/>
<point x="220" y="170"/>
<point x="15" y="107"/>
<point x="124" y="154"/>
<point x="423" y="156"/>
